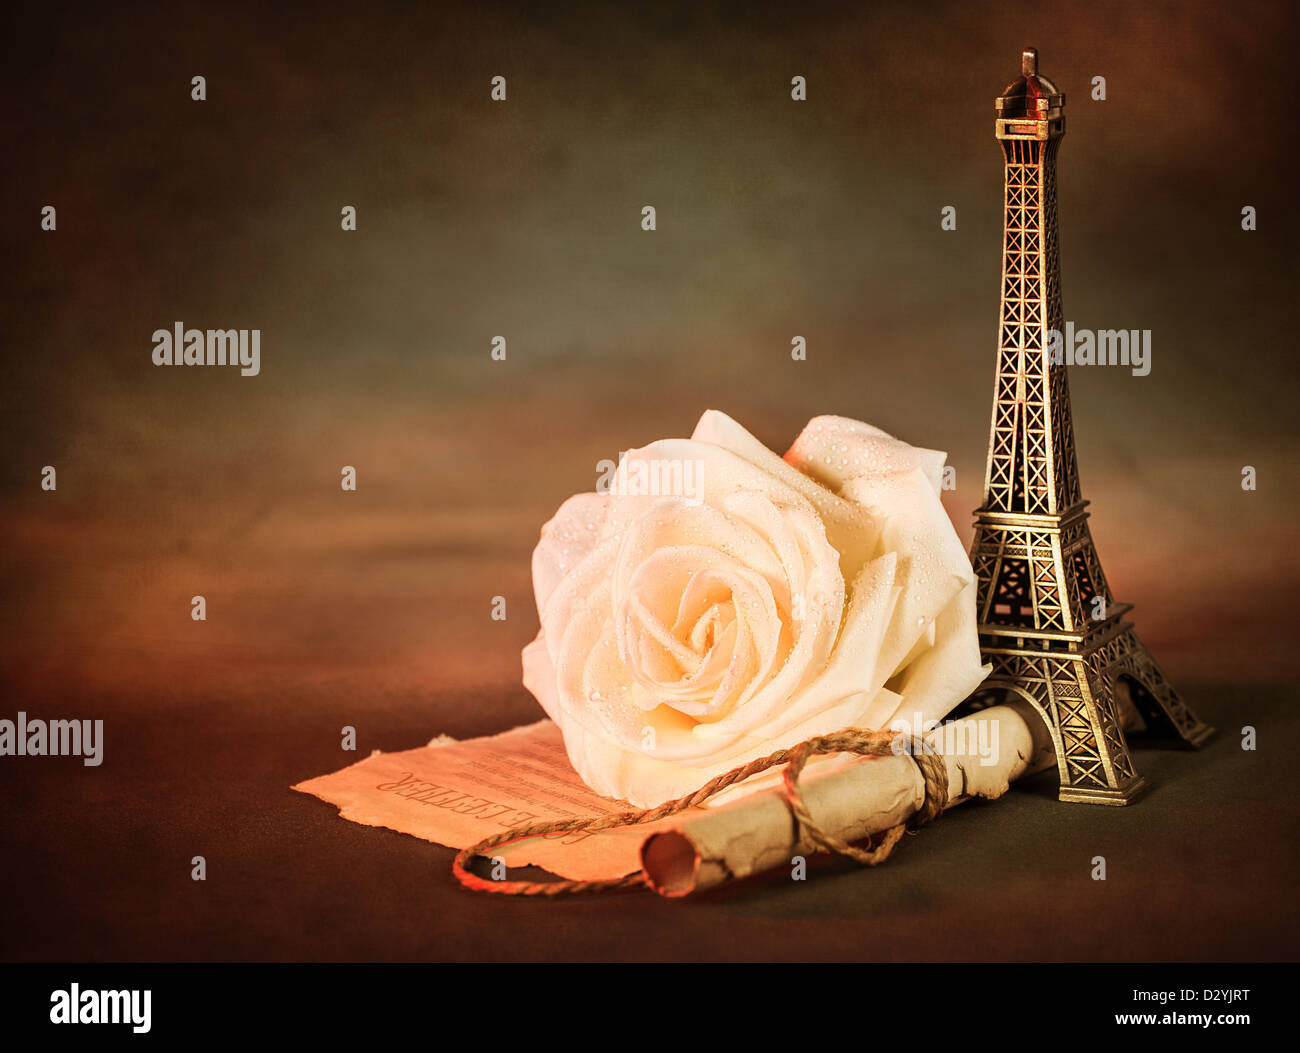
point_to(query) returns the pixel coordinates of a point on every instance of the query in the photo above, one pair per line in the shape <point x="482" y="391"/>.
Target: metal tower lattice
<point x="1048" y="623"/>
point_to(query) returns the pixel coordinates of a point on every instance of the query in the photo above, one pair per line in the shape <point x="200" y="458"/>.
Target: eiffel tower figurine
<point x="1047" y="622"/>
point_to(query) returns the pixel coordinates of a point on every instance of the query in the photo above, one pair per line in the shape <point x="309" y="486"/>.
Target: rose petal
<point x="834" y="450"/>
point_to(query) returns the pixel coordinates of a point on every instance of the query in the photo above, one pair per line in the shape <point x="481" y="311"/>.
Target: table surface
<point x="1203" y="868"/>
<point x="370" y="607"/>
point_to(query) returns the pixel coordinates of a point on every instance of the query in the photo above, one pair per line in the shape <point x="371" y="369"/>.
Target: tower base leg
<point x="1127" y="794"/>
<point x="1154" y="697"/>
<point x="1075" y="694"/>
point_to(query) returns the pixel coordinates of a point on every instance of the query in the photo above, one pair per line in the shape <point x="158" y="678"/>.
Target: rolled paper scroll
<point x="983" y="754"/>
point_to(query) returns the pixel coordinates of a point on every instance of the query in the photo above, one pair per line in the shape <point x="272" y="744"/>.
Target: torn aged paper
<point x="457" y="793"/>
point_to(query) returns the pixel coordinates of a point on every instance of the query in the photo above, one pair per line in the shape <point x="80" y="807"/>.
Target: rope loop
<point x="850" y="740"/>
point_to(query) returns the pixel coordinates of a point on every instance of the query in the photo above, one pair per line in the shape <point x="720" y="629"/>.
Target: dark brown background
<point x="522" y="219"/>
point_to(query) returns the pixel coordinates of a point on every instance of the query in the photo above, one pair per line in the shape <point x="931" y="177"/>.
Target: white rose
<point x="767" y="601"/>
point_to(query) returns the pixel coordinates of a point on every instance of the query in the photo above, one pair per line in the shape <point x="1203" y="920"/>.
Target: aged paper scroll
<point x="457" y="793"/>
<point x="860" y="798"/>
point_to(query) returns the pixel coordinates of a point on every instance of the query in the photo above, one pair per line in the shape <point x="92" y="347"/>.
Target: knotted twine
<point x="849" y="740"/>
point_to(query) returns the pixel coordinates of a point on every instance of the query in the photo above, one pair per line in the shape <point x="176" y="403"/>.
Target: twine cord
<point x="850" y="740"/>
